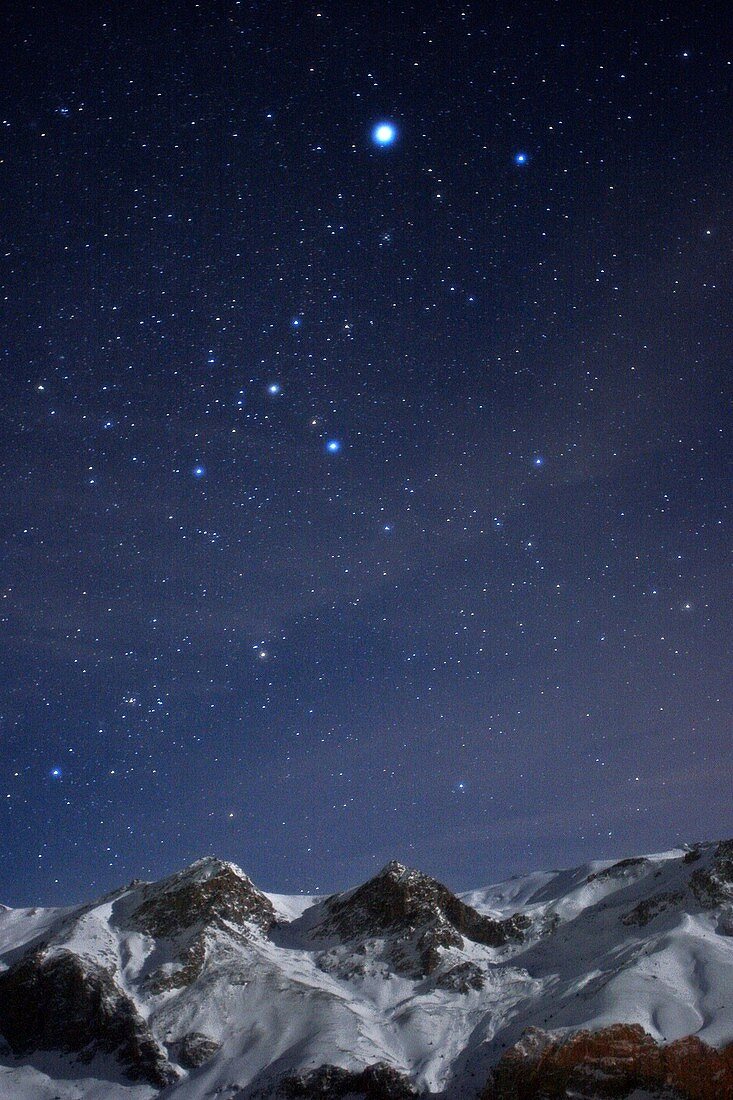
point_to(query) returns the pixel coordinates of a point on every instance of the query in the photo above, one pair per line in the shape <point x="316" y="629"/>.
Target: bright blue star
<point x="199" y="471"/>
<point x="384" y="133"/>
<point x="538" y="460"/>
<point x="521" y="158"/>
<point x="333" y="446"/>
<point x="274" y="388"/>
<point x="295" y="323"/>
<point x="55" y="773"/>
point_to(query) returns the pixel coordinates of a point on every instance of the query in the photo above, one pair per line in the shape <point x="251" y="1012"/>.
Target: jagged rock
<point x="344" y="963"/>
<point x="611" y="1062"/>
<point x="65" y="1003"/>
<point x="194" y="1049"/>
<point x="207" y="896"/>
<point x="725" y="921"/>
<point x="693" y="855"/>
<point x="186" y="966"/>
<point x="462" y="978"/>
<point x="208" y="893"/>
<point x="651" y="907"/>
<point x="549" y="924"/>
<point x="377" y="1082"/>
<point x="617" y="870"/>
<point x="420" y="914"/>
<point x="714" y="886"/>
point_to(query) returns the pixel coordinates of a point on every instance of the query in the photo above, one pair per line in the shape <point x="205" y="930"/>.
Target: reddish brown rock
<point x="610" y="1063"/>
<point x="698" y="1071"/>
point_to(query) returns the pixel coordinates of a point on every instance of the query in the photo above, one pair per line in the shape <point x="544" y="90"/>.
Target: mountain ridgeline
<point x="610" y="980"/>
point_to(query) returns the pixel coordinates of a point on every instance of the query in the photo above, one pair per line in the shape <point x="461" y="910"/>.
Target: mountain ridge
<point x="201" y="982"/>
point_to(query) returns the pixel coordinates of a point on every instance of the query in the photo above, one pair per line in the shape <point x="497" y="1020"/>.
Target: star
<point x="333" y="446"/>
<point x="274" y="388"/>
<point x="384" y="133"/>
<point x="199" y="471"/>
<point x="521" y="159"/>
<point x="55" y="772"/>
<point x="538" y="460"/>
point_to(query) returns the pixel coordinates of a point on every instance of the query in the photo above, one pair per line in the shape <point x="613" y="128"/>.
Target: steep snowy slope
<point x="201" y="985"/>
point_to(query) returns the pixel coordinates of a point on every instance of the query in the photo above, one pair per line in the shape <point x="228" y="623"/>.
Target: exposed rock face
<point x="715" y="886"/>
<point x="419" y="914"/>
<point x="725" y="921"/>
<point x="210" y="892"/>
<point x="650" y="908"/>
<point x="612" y="1062"/>
<point x="462" y="978"/>
<point x="377" y="1082"/>
<point x="693" y="855"/>
<point x="618" y="870"/>
<point x="62" y="1002"/>
<point x="209" y="895"/>
<point x="194" y="1049"/>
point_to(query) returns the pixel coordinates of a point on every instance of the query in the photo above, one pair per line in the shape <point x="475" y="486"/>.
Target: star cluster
<point x="363" y="439"/>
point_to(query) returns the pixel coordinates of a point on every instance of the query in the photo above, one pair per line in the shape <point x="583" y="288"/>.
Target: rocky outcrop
<point x="209" y="893"/>
<point x="651" y="907"/>
<point x="377" y="1082"/>
<point x="188" y="907"/>
<point x="193" y="1049"/>
<point x="618" y="870"/>
<point x="65" y="1003"/>
<point x="418" y="914"/>
<point x="714" y="886"/>
<point x="462" y="978"/>
<point x="612" y="1062"/>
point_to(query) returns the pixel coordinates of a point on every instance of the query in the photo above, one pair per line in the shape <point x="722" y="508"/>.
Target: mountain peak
<point x="208" y="892"/>
<point x="393" y="869"/>
<point x="419" y="914"/>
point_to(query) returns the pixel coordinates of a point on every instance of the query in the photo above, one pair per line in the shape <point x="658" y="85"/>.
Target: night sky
<point x="364" y="474"/>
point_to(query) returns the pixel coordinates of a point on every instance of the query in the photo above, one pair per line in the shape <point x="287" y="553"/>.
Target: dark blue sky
<point x="488" y="629"/>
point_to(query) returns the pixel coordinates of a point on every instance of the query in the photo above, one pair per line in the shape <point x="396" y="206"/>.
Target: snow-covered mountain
<point x="201" y="985"/>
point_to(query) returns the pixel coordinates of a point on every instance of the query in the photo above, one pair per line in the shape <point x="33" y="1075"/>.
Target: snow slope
<point x="277" y="985"/>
